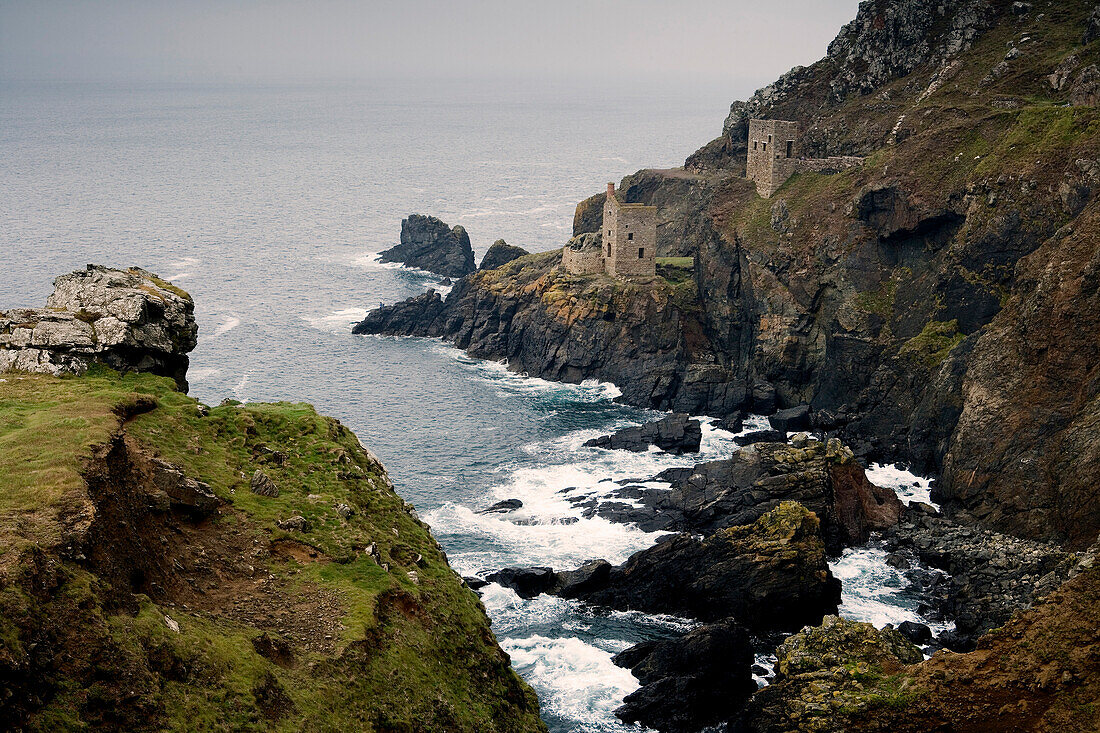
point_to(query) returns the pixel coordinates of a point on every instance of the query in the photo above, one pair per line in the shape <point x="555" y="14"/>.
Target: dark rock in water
<point x="474" y="583"/>
<point x="771" y="574"/>
<point x="425" y="305"/>
<point x="761" y="436"/>
<point x="791" y="420"/>
<point x="734" y="423"/>
<point x="446" y="281"/>
<point x="823" y="477"/>
<point x="527" y="582"/>
<point x="429" y="244"/>
<point x="760" y="671"/>
<point x="508" y="505"/>
<point x="915" y="632"/>
<point x="677" y="433"/>
<point x="500" y="254"/>
<point x="898" y="560"/>
<point x="701" y="679"/>
<point x="592" y="575"/>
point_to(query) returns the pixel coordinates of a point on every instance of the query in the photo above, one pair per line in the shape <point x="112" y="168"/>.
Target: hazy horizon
<point x="737" y="46"/>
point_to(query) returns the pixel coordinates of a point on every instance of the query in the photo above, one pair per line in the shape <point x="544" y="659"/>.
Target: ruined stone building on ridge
<point x="626" y="246"/>
<point x="774" y="156"/>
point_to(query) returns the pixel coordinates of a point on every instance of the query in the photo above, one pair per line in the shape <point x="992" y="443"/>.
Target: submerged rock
<point x="429" y="244"/>
<point x="677" y="433"/>
<point x="130" y="320"/>
<point x="501" y="507"/>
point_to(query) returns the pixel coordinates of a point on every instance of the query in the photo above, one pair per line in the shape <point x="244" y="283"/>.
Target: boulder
<point x="526" y="582"/>
<point x="792" y="419"/>
<point x="261" y="484"/>
<point x="837" y="642"/>
<point x="429" y="244"/>
<point x="761" y="436"/>
<point x="689" y="683"/>
<point x="185" y="494"/>
<point x="130" y="320"/>
<point x="677" y="433"/>
<point x="507" y="505"/>
<point x="500" y="254"/>
<point x="915" y="632"/>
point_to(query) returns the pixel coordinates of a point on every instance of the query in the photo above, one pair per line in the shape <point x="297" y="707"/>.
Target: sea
<point x="269" y="203"/>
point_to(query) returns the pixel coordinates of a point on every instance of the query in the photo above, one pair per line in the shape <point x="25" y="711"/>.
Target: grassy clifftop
<point x="128" y="601"/>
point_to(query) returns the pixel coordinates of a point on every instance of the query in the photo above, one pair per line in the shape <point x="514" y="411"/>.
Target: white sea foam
<point x="338" y="321"/>
<point x="907" y="485"/>
<point x="875" y="592"/>
<point x="577" y="680"/>
<point x="178" y="276"/>
<point x="590" y="390"/>
<point x="242" y="385"/>
<point x="198" y="375"/>
<point x="227" y="325"/>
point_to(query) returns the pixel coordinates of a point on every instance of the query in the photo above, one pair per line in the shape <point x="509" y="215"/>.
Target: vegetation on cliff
<point x="131" y="598"/>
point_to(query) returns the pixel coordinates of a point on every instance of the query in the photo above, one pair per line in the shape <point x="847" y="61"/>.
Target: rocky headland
<point x="165" y="565"/>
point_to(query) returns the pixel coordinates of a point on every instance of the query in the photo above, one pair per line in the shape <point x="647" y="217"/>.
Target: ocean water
<point x="268" y="205"/>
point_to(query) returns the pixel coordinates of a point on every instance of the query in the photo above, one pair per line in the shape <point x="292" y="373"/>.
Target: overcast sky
<point x="739" y="43"/>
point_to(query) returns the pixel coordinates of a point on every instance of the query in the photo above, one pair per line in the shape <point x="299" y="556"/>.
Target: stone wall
<point x="773" y="156"/>
<point x="833" y="163"/>
<point x="583" y="255"/>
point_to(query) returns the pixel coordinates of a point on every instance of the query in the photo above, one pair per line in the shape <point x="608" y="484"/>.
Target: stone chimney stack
<point x="610" y="189"/>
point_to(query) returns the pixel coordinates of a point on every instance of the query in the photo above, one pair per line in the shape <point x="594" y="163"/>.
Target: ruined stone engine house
<point x="626" y="247"/>
<point x="773" y="156"/>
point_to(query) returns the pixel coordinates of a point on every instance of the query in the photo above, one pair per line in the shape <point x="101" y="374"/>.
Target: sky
<point x="737" y="42"/>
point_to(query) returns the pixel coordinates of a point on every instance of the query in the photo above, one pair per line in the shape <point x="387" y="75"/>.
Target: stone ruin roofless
<point x="774" y="156"/>
<point x="628" y="247"/>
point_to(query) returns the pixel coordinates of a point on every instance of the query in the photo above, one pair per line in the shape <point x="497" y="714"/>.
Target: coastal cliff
<point x="899" y="299"/>
<point x="171" y="566"/>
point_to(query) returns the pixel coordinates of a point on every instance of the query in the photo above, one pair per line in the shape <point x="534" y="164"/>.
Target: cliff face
<point x="169" y="566"/>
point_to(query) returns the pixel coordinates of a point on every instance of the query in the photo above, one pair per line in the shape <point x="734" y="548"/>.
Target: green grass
<point x="932" y="345"/>
<point x="409" y="657"/>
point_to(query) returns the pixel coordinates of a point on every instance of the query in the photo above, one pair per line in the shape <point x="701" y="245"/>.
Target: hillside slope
<point x="169" y="566"/>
